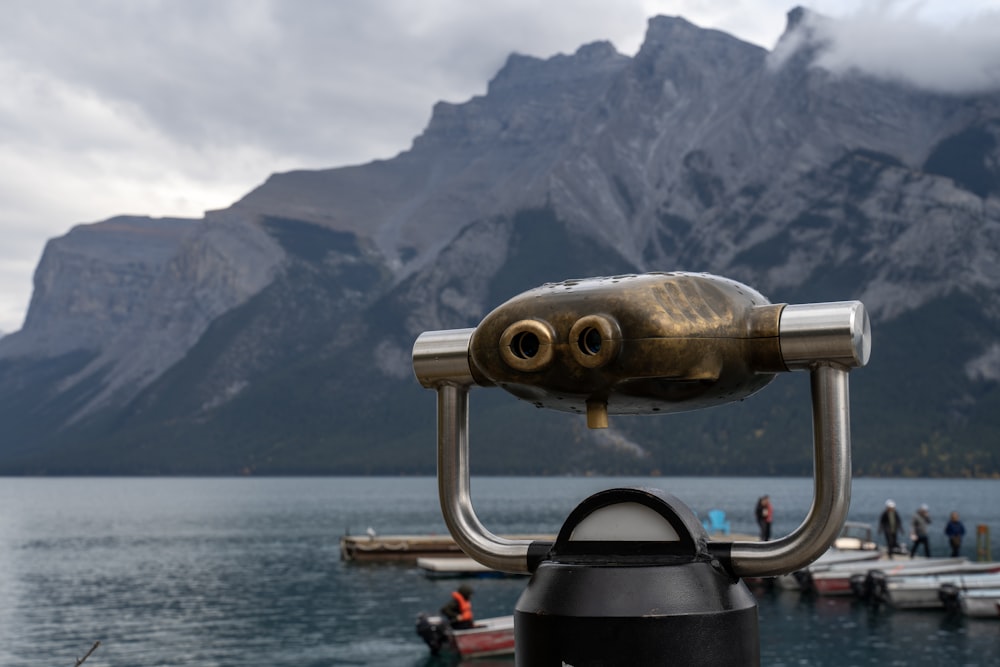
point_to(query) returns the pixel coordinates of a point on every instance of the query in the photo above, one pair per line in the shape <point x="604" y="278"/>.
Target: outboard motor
<point x="861" y="586"/>
<point x="633" y="579"/>
<point x="805" y="580"/>
<point x="950" y="598"/>
<point x="878" y="588"/>
<point x="435" y="631"/>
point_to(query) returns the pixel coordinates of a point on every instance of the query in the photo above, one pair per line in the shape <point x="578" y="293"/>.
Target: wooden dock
<point x="407" y="548"/>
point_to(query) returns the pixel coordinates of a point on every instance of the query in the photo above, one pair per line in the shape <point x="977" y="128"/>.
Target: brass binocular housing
<point x="650" y="343"/>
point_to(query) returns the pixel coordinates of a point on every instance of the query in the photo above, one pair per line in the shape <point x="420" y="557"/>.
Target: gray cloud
<point x="896" y="41"/>
<point x="301" y="76"/>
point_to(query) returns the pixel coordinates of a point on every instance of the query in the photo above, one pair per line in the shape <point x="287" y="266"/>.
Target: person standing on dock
<point x="890" y="525"/>
<point x="955" y="530"/>
<point x="921" y="520"/>
<point x="458" y="609"/>
<point x="765" y="515"/>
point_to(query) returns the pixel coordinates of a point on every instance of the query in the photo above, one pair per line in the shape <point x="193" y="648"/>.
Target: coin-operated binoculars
<point x="633" y="578"/>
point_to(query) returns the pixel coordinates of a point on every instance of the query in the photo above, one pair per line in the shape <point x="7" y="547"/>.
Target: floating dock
<point x="458" y="567"/>
<point x="407" y="548"/>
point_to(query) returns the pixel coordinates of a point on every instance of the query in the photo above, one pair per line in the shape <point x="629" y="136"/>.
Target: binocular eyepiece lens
<point x="525" y="345"/>
<point x="597" y="338"/>
<point x="590" y="341"/>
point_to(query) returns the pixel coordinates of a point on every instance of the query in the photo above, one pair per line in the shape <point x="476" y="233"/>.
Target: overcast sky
<point x="173" y="107"/>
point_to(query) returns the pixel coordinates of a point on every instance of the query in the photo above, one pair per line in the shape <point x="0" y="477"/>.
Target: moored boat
<point x="837" y="579"/>
<point x="871" y="586"/>
<point x="832" y="558"/>
<point x="916" y="590"/>
<point x="975" y="602"/>
<point x="489" y="636"/>
<point x="855" y="536"/>
<point x="854" y="544"/>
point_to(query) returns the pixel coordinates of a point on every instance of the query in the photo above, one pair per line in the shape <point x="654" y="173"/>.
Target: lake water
<point x="245" y="572"/>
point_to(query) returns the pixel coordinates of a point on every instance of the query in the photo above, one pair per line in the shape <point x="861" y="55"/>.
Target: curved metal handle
<point x="441" y="361"/>
<point x="828" y="339"/>
<point x="831" y="492"/>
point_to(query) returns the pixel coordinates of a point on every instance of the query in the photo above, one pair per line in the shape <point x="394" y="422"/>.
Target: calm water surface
<point x="227" y="572"/>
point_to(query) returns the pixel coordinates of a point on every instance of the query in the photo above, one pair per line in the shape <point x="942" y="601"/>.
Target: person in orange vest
<point x="458" y="609"/>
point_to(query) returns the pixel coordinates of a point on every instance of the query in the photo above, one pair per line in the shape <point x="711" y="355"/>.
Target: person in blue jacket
<point x="955" y="530"/>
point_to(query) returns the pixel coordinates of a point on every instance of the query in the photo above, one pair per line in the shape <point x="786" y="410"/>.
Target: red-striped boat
<point x="489" y="636"/>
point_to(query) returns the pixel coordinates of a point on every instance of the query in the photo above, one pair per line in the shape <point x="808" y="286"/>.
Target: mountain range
<point x="274" y="336"/>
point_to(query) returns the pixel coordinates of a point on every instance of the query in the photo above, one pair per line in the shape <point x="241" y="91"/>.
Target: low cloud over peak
<point x="897" y="42"/>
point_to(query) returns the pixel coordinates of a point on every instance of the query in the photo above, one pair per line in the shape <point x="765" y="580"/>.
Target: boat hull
<point x="489" y="637"/>
<point x="492" y="636"/>
<point x="831" y="559"/>
<point x="984" y="603"/>
<point x="914" y="591"/>
<point x="837" y="579"/>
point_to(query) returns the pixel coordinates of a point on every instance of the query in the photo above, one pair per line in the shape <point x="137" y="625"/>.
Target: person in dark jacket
<point x="458" y="609"/>
<point x="921" y="520"/>
<point x="765" y="515"/>
<point x="890" y="525"/>
<point x="955" y="530"/>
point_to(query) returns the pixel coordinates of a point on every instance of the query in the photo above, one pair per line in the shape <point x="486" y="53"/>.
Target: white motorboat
<point x="832" y="558"/>
<point x="923" y="590"/>
<point x="837" y="580"/>
<point x="975" y="602"/>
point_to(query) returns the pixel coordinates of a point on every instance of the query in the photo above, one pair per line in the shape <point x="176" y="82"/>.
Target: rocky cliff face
<point x="137" y="294"/>
<point x="275" y="335"/>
